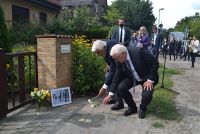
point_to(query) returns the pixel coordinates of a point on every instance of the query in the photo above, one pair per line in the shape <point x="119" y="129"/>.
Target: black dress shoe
<point x="117" y="106"/>
<point x="141" y="114"/>
<point x="130" y="111"/>
<point x="112" y="101"/>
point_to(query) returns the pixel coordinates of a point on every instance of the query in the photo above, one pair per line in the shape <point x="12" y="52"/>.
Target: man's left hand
<point x="107" y="99"/>
<point x="148" y="85"/>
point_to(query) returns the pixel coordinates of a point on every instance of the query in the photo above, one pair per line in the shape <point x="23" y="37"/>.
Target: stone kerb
<point x="54" y="64"/>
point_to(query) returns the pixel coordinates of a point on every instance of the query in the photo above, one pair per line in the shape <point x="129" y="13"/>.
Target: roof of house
<point x="52" y="4"/>
<point x="54" y="1"/>
<point x="75" y="2"/>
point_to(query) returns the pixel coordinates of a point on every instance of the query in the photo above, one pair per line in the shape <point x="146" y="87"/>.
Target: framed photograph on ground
<point x="60" y="96"/>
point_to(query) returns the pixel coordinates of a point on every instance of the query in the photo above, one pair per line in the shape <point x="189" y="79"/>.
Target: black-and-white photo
<point x="60" y="96"/>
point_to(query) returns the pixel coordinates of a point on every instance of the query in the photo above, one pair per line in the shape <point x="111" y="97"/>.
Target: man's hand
<point x="102" y="92"/>
<point x="107" y="99"/>
<point x="148" y="85"/>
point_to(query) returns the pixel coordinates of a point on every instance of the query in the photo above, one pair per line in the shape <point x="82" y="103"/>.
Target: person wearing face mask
<point x="121" y="34"/>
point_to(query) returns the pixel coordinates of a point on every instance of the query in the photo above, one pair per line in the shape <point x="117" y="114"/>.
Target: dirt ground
<point x="187" y="84"/>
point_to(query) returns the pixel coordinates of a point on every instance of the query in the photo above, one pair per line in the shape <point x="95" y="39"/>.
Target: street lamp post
<point x="159" y="16"/>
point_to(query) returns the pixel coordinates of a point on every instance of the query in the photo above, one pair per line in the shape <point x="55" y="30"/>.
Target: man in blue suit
<point x="102" y="48"/>
<point x="156" y="42"/>
<point x="121" y="34"/>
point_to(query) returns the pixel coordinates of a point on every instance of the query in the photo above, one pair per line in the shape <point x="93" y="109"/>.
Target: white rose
<point x="39" y="93"/>
<point x="89" y="101"/>
<point x="32" y="94"/>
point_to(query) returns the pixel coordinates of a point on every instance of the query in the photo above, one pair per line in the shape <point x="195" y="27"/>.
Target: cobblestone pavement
<point x="80" y="118"/>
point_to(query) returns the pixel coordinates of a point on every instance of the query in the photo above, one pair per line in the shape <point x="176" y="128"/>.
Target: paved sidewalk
<point x="76" y="118"/>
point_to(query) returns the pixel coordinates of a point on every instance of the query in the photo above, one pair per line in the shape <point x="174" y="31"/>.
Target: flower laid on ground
<point x="40" y="95"/>
<point x="93" y="103"/>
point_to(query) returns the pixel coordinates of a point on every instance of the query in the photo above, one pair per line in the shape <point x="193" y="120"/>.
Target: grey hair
<point x="98" y="45"/>
<point x="118" y="49"/>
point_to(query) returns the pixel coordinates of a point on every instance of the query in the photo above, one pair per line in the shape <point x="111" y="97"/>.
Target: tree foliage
<point x="195" y="28"/>
<point x="111" y="16"/>
<point x="78" y="21"/>
<point x="136" y="12"/>
<point x="4" y="33"/>
<point x="192" y="23"/>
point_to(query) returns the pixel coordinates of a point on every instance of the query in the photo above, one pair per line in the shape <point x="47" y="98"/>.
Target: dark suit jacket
<point x="144" y="63"/>
<point x="158" y="41"/>
<point x="110" y="61"/>
<point x="127" y="38"/>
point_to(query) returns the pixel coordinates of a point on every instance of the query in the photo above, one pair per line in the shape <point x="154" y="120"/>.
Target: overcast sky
<point x="174" y="10"/>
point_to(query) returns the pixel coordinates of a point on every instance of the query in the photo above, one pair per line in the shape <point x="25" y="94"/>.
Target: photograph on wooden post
<point x="60" y="96"/>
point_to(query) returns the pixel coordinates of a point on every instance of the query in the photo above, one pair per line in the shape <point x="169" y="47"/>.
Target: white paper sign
<point x="65" y="49"/>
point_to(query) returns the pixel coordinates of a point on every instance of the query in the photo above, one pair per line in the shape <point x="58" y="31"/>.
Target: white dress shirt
<point x="123" y="34"/>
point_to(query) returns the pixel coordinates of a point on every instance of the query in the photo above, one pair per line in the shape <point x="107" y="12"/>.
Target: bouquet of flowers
<point x="40" y="96"/>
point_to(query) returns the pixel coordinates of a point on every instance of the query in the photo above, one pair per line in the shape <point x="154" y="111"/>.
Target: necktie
<point x="120" y="40"/>
<point x="129" y="68"/>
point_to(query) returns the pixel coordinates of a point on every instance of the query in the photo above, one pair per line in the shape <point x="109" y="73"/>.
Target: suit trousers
<point x="123" y="92"/>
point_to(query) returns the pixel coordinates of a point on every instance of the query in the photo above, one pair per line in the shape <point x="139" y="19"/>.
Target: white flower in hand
<point x="89" y="101"/>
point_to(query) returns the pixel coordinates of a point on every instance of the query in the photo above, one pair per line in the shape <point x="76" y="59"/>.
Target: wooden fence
<point x="18" y="76"/>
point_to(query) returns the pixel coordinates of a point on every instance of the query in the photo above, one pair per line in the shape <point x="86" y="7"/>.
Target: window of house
<point x="43" y="18"/>
<point x="20" y="15"/>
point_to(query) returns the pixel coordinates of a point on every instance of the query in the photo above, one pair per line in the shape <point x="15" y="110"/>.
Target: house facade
<point x="29" y="11"/>
<point x="97" y="6"/>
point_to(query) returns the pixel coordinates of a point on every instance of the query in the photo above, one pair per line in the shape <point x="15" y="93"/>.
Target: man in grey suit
<point x="121" y="34"/>
<point x="134" y="66"/>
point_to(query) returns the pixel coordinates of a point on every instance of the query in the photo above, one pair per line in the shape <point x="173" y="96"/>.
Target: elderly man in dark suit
<point x="121" y="34"/>
<point x="102" y="48"/>
<point x="156" y="41"/>
<point x="134" y="66"/>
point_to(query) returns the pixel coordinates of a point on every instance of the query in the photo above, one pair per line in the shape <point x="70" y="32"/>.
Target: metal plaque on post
<point x="65" y="49"/>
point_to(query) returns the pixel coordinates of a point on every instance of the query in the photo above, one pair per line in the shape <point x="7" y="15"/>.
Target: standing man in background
<point x="156" y="42"/>
<point x="121" y="34"/>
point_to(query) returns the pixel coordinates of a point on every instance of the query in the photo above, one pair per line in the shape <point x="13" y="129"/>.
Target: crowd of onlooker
<point x="186" y="50"/>
<point x="156" y="43"/>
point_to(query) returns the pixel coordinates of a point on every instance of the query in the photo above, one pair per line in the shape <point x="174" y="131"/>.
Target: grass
<point x="157" y="124"/>
<point x="162" y="105"/>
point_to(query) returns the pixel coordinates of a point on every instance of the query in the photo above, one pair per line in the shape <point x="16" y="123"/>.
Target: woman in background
<point x="194" y="49"/>
<point x="143" y="39"/>
<point x="133" y="41"/>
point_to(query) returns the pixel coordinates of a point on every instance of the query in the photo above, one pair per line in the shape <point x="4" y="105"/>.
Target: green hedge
<point x="89" y="69"/>
<point x="4" y="34"/>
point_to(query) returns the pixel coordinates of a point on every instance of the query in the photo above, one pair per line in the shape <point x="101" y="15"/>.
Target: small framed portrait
<point x="60" y="96"/>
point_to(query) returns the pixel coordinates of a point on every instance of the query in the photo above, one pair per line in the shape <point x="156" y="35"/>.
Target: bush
<point x="26" y="33"/>
<point x="89" y="69"/>
<point x="58" y="27"/>
<point x="97" y="33"/>
<point x="4" y="34"/>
